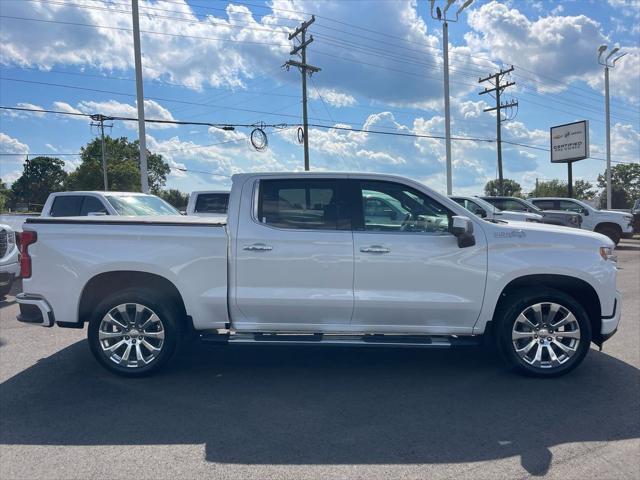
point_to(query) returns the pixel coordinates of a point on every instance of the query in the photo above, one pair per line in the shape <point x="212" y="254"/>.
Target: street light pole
<point x="441" y="16"/>
<point x="447" y="111"/>
<point x="142" y="135"/>
<point x="607" y="65"/>
<point x="608" y="133"/>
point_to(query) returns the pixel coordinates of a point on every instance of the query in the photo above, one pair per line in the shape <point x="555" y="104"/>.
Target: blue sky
<point x="221" y="62"/>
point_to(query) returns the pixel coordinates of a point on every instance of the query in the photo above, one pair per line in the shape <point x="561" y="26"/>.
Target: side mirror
<point x="462" y="227"/>
<point x="483" y="214"/>
<point x="584" y="212"/>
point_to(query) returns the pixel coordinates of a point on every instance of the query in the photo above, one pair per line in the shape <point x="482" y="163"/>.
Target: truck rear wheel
<point x="545" y="333"/>
<point x="133" y="332"/>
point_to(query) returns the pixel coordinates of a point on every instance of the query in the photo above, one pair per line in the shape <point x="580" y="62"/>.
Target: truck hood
<point x="613" y="214"/>
<point x="526" y="232"/>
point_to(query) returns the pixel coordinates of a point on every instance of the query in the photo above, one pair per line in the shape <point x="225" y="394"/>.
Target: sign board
<point x="570" y="142"/>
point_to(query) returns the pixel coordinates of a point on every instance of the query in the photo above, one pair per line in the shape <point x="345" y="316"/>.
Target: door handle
<point x="374" y="249"/>
<point x="258" y="247"/>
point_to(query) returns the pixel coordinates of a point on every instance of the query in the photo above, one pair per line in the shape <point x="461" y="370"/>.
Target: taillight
<point x="26" y="238"/>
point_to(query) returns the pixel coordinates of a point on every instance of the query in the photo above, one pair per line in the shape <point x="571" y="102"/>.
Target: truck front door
<point x="410" y="275"/>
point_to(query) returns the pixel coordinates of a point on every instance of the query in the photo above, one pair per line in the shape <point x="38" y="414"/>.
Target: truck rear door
<point x="294" y="257"/>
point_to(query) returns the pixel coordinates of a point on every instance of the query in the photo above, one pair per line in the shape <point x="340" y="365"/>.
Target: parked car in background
<point x="94" y="203"/>
<point x="301" y="259"/>
<point x="9" y="264"/>
<point x="485" y="210"/>
<point x="615" y="225"/>
<point x="635" y="211"/>
<point x="552" y="217"/>
<point x="208" y="203"/>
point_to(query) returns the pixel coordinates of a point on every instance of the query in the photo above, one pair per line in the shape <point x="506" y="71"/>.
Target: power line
<point x="125" y="29"/>
<point x="284" y="126"/>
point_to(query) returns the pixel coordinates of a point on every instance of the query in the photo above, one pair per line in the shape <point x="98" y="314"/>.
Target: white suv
<point x="615" y="225"/>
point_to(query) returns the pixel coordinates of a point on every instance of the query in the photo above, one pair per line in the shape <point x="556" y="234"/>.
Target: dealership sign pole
<point x="569" y="143"/>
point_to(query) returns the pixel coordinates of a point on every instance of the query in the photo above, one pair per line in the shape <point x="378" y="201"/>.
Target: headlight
<point x="11" y="239"/>
<point x="607" y="254"/>
<point x="575" y="219"/>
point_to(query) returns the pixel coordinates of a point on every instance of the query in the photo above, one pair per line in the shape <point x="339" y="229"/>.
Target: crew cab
<point x="485" y="210"/>
<point x="615" y="225"/>
<point x="208" y="203"/>
<point x="299" y="260"/>
<point x="552" y="217"/>
<point x="92" y="203"/>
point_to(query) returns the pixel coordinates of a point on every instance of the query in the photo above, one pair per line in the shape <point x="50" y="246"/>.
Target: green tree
<point x="625" y="185"/>
<point x="511" y="188"/>
<point x="4" y="196"/>
<point x="175" y="197"/>
<point x="40" y="177"/>
<point x="123" y="167"/>
<point x="582" y="190"/>
<point x="619" y="197"/>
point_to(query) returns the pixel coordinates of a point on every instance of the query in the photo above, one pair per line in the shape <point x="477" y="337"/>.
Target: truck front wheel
<point x="133" y="332"/>
<point x="544" y="333"/>
<point x="612" y="231"/>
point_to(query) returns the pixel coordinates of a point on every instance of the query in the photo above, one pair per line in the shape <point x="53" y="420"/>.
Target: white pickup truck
<point x="299" y="260"/>
<point x="615" y="225"/>
<point x="208" y="203"/>
<point x="485" y="210"/>
<point x="9" y="266"/>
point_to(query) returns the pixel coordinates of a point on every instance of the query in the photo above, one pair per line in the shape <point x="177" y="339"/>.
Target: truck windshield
<point x="140" y="205"/>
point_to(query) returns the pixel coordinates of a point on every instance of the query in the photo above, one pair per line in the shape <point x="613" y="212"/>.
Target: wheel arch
<point x="577" y="288"/>
<point x="103" y="284"/>
<point x="608" y="225"/>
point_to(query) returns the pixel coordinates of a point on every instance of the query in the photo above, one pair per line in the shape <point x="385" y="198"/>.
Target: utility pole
<point x="441" y="15"/>
<point x="142" y="134"/>
<point x="100" y="119"/>
<point x="607" y="65"/>
<point x="498" y="87"/>
<point x="304" y="68"/>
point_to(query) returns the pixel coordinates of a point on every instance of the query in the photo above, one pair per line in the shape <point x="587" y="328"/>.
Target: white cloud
<point x="333" y="97"/>
<point x="557" y="47"/>
<point x="113" y="108"/>
<point x="11" y="165"/>
<point x="12" y="145"/>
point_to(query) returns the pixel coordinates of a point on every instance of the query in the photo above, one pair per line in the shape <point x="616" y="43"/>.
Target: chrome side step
<point x="377" y="340"/>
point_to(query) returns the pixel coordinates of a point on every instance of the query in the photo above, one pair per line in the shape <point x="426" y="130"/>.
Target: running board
<point x="406" y="341"/>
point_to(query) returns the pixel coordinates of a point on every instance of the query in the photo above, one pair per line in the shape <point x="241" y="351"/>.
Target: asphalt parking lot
<point x="261" y="412"/>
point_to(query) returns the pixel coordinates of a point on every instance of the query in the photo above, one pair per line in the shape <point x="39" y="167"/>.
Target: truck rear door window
<point x="66" y="206"/>
<point x="544" y="204"/>
<point x="303" y="204"/>
<point x="212" y="203"/>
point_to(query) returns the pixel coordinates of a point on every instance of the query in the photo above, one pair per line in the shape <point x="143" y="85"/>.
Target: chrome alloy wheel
<point x="546" y="335"/>
<point x="131" y="335"/>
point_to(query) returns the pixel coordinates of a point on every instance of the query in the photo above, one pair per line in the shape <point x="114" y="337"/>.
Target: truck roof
<point x="100" y="192"/>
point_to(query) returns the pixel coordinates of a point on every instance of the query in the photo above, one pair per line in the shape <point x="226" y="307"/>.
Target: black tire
<point x="4" y="291"/>
<point x="614" y="233"/>
<point x="168" y="315"/>
<point x="519" y="303"/>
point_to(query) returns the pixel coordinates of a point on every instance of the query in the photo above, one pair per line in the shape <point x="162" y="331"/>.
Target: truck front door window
<point x="404" y="210"/>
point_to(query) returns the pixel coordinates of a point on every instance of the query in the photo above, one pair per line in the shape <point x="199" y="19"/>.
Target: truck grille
<point x="3" y="242"/>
